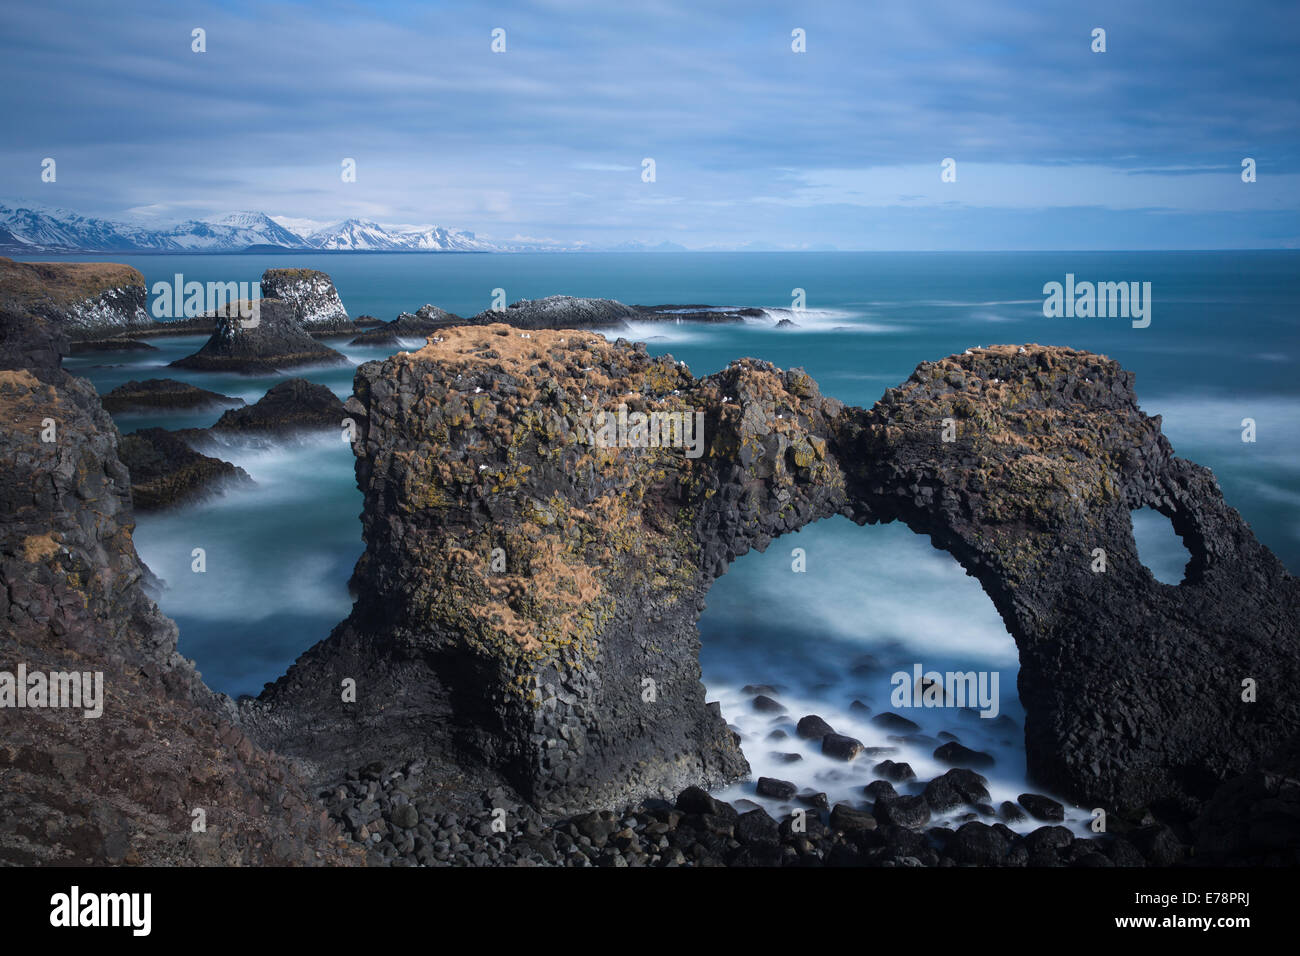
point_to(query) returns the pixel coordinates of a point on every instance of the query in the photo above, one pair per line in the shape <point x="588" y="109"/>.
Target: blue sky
<point x="755" y="146"/>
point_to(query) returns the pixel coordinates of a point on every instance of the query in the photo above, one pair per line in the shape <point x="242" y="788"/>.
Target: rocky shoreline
<point x="387" y="811"/>
<point x="521" y="583"/>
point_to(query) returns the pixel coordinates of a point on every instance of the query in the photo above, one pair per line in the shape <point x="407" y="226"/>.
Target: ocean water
<point x="1221" y="348"/>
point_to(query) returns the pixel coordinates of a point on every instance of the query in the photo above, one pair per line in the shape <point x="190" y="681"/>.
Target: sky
<point x="754" y="145"/>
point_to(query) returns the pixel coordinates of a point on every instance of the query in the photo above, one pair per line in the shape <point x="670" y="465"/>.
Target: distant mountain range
<point x="28" y="231"/>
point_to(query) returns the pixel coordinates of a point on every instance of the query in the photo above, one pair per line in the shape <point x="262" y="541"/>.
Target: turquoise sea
<point x="1221" y="347"/>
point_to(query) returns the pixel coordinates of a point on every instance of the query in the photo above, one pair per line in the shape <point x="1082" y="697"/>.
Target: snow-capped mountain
<point x="25" y="230"/>
<point x="362" y="235"/>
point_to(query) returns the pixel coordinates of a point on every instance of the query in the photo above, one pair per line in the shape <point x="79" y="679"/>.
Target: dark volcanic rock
<point x="880" y="790"/>
<point x="110" y="345"/>
<point x="270" y="340"/>
<point x="162" y="393"/>
<point x="427" y="320"/>
<point x="841" y="747"/>
<point x="953" y="753"/>
<point x="813" y="727"/>
<point x="895" y="722"/>
<point x="118" y="788"/>
<point x="32" y="343"/>
<point x="539" y="670"/>
<point x="757" y="826"/>
<point x="312" y="296"/>
<point x="166" y="471"/>
<point x="1113" y="665"/>
<point x="845" y="817"/>
<point x="1254" y="818"/>
<point x="911" y="812"/>
<point x="956" y="788"/>
<point x="1010" y="812"/>
<point x="777" y="789"/>
<point x="978" y="844"/>
<point x="560" y="312"/>
<point x="83" y="300"/>
<point x="1042" y="808"/>
<point x="896" y="772"/>
<point x="293" y="405"/>
<point x="698" y="313"/>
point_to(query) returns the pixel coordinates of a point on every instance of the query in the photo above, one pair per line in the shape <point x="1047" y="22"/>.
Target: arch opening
<point x="836" y="621"/>
<point x="1159" y="546"/>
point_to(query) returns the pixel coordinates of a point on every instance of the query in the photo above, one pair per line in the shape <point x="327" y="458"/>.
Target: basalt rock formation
<point x="559" y="312"/>
<point x="122" y="787"/>
<point x="572" y="312"/>
<point x="119" y="344"/>
<point x="88" y="300"/>
<point x="162" y="393"/>
<point x="420" y="324"/>
<point x="166" y="471"/>
<point x="292" y="405"/>
<point x="527" y="602"/>
<point x="315" y="301"/>
<point x="267" y="341"/>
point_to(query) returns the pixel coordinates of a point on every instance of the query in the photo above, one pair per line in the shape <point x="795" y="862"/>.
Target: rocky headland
<point x="164" y="775"/>
<point x="87" y="300"/>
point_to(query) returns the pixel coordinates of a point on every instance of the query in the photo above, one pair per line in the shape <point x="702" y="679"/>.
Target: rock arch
<point x="536" y="676"/>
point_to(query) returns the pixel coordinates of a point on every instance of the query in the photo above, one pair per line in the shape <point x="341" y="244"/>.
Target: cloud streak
<point x="1057" y="147"/>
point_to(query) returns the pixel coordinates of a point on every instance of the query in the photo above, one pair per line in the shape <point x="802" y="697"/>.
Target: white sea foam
<point x="872" y="601"/>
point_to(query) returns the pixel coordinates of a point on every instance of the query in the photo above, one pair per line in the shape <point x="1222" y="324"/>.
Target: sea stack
<point x="268" y="340"/>
<point x="314" y="300"/>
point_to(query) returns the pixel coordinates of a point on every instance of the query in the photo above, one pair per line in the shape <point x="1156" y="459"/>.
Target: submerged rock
<point x="954" y="754"/>
<point x="155" y="393"/>
<point x="559" y="312"/>
<point x="895" y="722"/>
<point x="110" y="345"/>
